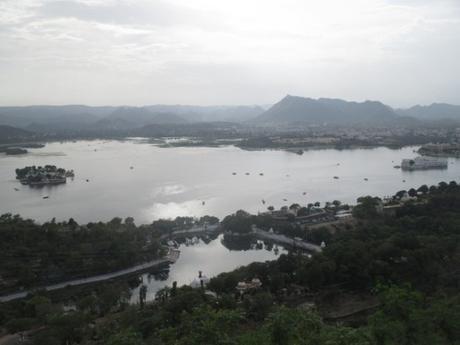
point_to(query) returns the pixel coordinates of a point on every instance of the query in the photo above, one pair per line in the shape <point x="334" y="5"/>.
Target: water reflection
<point x="210" y="254"/>
<point x="176" y="181"/>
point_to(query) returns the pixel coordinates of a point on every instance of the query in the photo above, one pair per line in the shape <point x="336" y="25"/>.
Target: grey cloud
<point x="154" y="13"/>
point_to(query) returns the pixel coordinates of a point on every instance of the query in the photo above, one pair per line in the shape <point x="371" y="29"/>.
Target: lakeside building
<point x="200" y="282"/>
<point x="243" y="287"/>
<point x="424" y="163"/>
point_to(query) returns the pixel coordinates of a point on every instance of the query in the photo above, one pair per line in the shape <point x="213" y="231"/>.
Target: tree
<point x="258" y="306"/>
<point x="293" y="326"/>
<point x="294" y="207"/>
<point x="366" y="207"/>
<point x="400" y="194"/>
<point x="174" y="289"/>
<point x="142" y="295"/>
<point x="129" y="221"/>
<point x="442" y="186"/>
<point x="423" y="189"/>
<point x="412" y="192"/>
<point x="125" y="337"/>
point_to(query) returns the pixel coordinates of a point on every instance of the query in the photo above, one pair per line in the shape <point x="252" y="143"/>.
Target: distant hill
<point x="8" y="133"/>
<point x="195" y="113"/>
<point x="433" y="112"/>
<point x="293" y="109"/>
<point x="44" y="118"/>
<point x="67" y="118"/>
<point x="135" y="117"/>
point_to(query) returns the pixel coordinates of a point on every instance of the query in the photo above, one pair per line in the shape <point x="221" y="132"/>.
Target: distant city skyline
<point x="207" y="52"/>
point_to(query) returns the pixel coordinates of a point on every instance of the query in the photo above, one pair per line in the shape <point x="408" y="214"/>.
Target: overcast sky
<point x="139" y="52"/>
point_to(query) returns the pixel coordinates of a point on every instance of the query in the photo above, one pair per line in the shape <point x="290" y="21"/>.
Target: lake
<point x="194" y="181"/>
<point x="211" y="257"/>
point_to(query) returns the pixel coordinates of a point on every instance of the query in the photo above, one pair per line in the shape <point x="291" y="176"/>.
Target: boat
<point x="336" y="177"/>
<point x="261" y="174"/>
<point x="247" y="173"/>
<point x="202" y="203"/>
<point x="131" y="168"/>
<point x="87" y="180"/>
<point x="304" y="193"/>
<point x="397" y="166"/>
<point x="17" y="189"/>
<point x="234" y="173"/>
<point x="366" y="179"/>
<point x="263" y="201"/>
<point x="45" y="197"/>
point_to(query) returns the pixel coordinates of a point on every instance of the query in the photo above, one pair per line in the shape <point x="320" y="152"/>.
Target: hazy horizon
<point x="124" y="52"/>
<point x="265" y="106"/>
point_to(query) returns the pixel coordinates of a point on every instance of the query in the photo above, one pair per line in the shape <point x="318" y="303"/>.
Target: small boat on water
<point x="263" y="201"/>
<point x="45" y="197"/>
<point x="336" y="177"/>
<point x="234" y="173"/>
<point x="304" y="193"/>
<point x="247" y="173"/>
<point x="397" y="166"/>
<point x="202" y="203"/>
<point x="404" y="180"/>
<point x="261" y="174"/>
<point x="87" y="180"/>
<point x="17" y="189"/>
<point x="285" y="200"/>
<point x="131" y="167"/>
<point x="366" y="179"/>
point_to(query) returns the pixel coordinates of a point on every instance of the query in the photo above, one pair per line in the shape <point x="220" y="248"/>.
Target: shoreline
<point x="171" y="257"/>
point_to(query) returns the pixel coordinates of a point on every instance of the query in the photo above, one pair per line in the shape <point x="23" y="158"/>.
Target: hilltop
<point x="294" y="109"/>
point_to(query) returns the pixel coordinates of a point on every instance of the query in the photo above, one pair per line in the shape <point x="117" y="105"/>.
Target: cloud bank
<point x="228" y="52"/>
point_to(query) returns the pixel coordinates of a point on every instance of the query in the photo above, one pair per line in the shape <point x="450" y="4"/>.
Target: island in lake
<point x="40" y="176"/>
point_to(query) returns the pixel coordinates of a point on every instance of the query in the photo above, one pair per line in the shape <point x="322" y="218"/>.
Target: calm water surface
<point x="211" y="258"/>
<point x="197" y="181"/>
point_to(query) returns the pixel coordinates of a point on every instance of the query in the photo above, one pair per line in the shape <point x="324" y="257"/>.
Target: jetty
<point x="282" y="239"/>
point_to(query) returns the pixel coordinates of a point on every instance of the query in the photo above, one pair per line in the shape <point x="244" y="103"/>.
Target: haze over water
<point x="194" y="181"/>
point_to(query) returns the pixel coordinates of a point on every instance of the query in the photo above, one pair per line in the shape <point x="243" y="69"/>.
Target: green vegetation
<point x="48" y="174"/>
<point x="34" y="255"/>
<point x="403" y="269"/>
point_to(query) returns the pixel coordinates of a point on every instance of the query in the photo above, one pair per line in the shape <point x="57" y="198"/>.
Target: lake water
<point x="168" y="182"/>
<point x="211" y="257"/>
